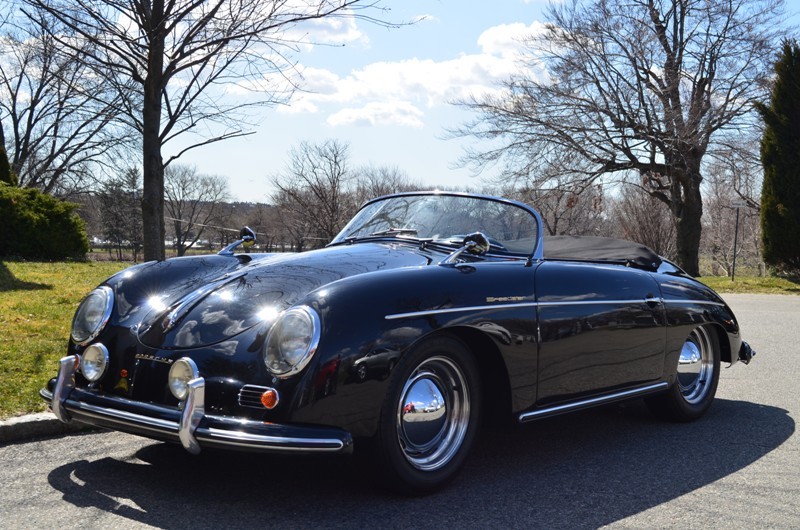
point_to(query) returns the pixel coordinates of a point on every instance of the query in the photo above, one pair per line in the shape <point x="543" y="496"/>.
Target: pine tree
<point x="6" y="175"/>
<point x="780" y="156"/>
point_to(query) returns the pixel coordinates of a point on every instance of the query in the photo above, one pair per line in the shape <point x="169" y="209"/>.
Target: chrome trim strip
<point x="241" y="439"/>
<point x="457" y="310"/>
<point x="429" y="312"/>
<point x="122" y="416"/>
<point x="67" y="367"/>
<point x="558" y="409"/>
<point x="595" y="302"/>
<point x="697" y="302"/>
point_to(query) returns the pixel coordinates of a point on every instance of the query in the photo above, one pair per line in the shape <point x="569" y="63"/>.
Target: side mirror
<point x="475" y="243"/>
<point x="247" y="238"/>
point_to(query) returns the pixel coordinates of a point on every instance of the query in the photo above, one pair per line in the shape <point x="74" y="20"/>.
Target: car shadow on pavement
<point x="577" y="471"/>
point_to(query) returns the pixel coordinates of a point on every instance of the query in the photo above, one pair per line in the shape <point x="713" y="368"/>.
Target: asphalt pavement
<point x="616" y="467"/>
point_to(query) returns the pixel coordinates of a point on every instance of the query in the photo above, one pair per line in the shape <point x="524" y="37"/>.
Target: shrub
<point x="34" y="225"/>
<point x="780" y="155"/>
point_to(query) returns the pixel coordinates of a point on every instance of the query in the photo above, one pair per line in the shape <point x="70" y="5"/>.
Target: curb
<point x="42" y="424"/>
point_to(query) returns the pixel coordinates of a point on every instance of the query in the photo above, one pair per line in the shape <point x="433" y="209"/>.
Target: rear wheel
<point x="430" y="416"/>
<point x="696" y="379"/>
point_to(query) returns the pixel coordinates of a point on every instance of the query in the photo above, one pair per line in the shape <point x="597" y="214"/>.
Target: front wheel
<point x="696" y="380"/>
<point x="429" y="417"/>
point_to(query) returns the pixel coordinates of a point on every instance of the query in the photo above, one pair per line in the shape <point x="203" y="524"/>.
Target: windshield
<point x="445" y="219"/>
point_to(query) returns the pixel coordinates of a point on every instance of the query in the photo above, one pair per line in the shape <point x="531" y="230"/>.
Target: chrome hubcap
<point x="433" y="414"/>
<point x="696" y="367"/>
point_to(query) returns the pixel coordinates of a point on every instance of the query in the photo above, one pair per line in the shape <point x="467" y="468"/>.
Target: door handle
<point x="652" y="300"/>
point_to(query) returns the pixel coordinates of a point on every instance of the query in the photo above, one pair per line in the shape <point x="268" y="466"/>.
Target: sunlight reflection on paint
<point x="156" y="303"/>
<point x="268" y="313"/>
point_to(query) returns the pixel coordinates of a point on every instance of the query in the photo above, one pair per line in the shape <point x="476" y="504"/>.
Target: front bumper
<point x="190" y="426"/>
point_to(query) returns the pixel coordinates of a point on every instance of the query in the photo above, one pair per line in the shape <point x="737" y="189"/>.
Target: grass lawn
<point x="753" y="284"/>
<point x="37" y="301"/>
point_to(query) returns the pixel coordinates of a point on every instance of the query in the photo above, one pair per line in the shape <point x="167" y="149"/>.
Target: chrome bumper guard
<point x="191" y="426"/>
<point x="746" y="353"/>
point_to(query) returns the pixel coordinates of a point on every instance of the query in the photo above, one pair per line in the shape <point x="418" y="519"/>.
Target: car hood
<point x="193" y="313"/>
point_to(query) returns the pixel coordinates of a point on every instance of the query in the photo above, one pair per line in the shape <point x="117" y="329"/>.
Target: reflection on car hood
<point x="196" y="313"/>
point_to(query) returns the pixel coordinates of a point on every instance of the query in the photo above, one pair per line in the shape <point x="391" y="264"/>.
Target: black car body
<point x="455" y="305"/>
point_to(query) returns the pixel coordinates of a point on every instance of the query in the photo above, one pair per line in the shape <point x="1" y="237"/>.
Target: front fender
<point x="384" y="314"/>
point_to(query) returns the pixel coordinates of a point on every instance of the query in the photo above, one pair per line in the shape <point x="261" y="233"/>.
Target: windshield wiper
<point x="396" y="232"/>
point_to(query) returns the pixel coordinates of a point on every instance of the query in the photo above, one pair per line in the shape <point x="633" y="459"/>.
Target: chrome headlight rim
<point x="95" y="376"/>
<point x="193" y="371"/>
<point x="272" y="345"/>
<point x="108" y="296"/>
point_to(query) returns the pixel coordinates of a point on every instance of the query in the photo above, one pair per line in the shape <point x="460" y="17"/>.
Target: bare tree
<point x="374" y="180"/>
<point x="638" y="216"/>
<point x="643" y="89"/>
<point x="566" y="210"/>
<point x="181" y="54"/>
<point x="61" y="117"/>
<point x="719" y="237"/>
<point x="193" y="204"/>
<point x="314" y="194"/>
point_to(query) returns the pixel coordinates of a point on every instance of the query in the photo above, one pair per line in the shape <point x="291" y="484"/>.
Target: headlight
<point x="182" y="371"/>
<point x="92" y="315"/>
<point x="292" y="341"/>
<point x="94" y="362"/>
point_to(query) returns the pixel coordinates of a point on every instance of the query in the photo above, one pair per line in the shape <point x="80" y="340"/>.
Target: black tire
<point x="696" y="379"/>
<point x="429" y="417"/>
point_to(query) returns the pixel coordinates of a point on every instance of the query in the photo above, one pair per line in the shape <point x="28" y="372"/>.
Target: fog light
<point x="94" y="362"/>
<point x="270" y="399"/>
<point x="181" y="372"/>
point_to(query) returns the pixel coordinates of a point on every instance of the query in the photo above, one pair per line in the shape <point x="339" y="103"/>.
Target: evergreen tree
<point x="780" y="155"/>
<point x="6" y="175"/>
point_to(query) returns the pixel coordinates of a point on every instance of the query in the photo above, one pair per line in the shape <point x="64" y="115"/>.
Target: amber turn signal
<point x="270" y="399"/>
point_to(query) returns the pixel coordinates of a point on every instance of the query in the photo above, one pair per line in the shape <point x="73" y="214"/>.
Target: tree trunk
<point x="153" y="165"/>
<point x="688" y="223"/>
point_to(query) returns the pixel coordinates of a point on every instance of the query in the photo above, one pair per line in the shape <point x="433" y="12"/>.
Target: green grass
<point x="753" y="284"/>
<point x="37" y="301"/>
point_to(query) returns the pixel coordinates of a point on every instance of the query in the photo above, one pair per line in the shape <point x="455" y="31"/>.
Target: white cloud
<point x="379" y="113"/>
<point x="504" y="40"/>
<point x="395" y="92"/>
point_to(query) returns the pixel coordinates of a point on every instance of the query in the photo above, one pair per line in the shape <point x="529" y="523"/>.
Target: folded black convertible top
<point x="590" y="248"/>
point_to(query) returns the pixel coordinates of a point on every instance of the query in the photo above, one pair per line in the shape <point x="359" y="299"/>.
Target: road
<point x="617" y="467"/>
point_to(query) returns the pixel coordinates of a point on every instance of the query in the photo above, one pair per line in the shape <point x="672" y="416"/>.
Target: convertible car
<point x="427" y="313"/>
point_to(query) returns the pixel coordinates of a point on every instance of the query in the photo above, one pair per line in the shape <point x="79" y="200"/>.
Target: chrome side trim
<point x="243" y="439"/>
<point x="414" y="314"/>
<point x="193" y="411"/>
<point x="64" y="385"/>
<point x="596" y="302"/>
<point x="458" y="310"/>
<point x="689" y="302"/>
<point x="586" y="403"/>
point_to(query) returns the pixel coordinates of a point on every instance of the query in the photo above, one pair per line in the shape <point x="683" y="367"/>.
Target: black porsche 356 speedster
<point x="429" y="311"/>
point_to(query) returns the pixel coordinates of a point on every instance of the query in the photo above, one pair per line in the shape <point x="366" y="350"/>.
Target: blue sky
<point x="386" y="92"/>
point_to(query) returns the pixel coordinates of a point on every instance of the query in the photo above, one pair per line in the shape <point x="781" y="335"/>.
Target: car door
<point x="602" y="327"/>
